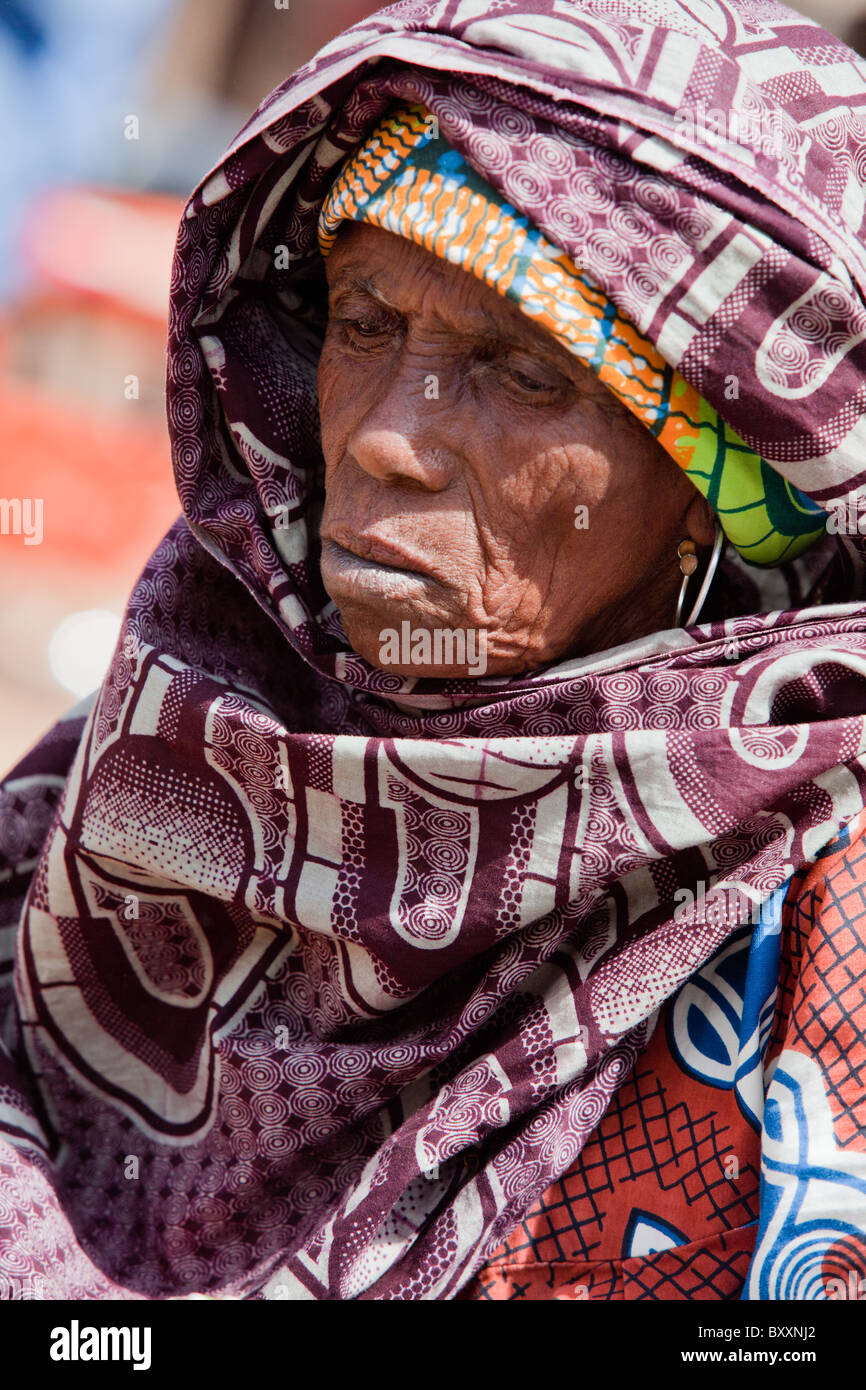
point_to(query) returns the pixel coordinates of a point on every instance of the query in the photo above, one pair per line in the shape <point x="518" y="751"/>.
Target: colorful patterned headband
<point x="407" y="179"/>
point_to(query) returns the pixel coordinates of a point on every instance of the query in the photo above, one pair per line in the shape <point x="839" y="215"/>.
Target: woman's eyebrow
<point x="347" y="281"/>
<point x="478" y="322"/>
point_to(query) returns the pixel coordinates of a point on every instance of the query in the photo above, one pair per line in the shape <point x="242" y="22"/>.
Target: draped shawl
<point x="322" y="974"/>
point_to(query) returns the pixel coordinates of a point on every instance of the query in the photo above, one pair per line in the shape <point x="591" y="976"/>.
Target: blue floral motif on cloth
<point x="719" y="1024"/>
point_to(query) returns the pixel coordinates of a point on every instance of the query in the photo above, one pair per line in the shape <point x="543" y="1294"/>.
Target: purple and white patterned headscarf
<point x="351" y="964"/>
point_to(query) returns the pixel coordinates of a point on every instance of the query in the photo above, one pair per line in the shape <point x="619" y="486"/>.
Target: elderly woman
<point x="429" y="905"/>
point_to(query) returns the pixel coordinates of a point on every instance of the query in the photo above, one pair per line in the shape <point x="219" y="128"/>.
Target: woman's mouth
<point x="380" y="567"/>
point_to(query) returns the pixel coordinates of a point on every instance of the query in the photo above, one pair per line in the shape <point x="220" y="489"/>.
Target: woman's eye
<point x="364" y="331"/>
<point x="366" y="328"/>
<point x="532" y="384"/>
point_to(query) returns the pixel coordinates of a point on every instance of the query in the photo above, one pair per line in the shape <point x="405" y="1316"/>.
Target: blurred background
<point x="112" y="112"/>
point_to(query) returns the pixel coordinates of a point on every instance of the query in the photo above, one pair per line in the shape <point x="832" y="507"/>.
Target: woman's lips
<point x="381" y="566"/>
<point x="381" y="552"/>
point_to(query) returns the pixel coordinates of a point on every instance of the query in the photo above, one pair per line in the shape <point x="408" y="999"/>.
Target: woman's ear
<point x="700" y="520"/>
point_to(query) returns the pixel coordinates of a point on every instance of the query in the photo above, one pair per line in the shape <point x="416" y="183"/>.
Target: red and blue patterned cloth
<point x="732" y="1163"/>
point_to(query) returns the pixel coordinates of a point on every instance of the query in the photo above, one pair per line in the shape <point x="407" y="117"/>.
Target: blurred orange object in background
<point x="82" y="362"/>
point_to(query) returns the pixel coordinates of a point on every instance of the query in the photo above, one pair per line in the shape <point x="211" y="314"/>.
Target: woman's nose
<point x="407" y="437"/>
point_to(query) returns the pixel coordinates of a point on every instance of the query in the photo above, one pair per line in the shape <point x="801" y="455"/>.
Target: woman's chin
<point x="400" y="643"/>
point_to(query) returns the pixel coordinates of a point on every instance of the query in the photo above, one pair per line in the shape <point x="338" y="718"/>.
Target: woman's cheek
<point x="548" y="494"/>
<point x="331" y="371"/>
<point x="346" y="391"/>
<point x="337" y="410"/>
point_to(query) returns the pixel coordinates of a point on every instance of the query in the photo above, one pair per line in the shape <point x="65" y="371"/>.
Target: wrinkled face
<point x="479" y="479"/>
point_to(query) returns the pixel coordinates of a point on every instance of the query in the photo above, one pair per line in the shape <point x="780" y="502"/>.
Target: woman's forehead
<point x="403" y="277"/>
